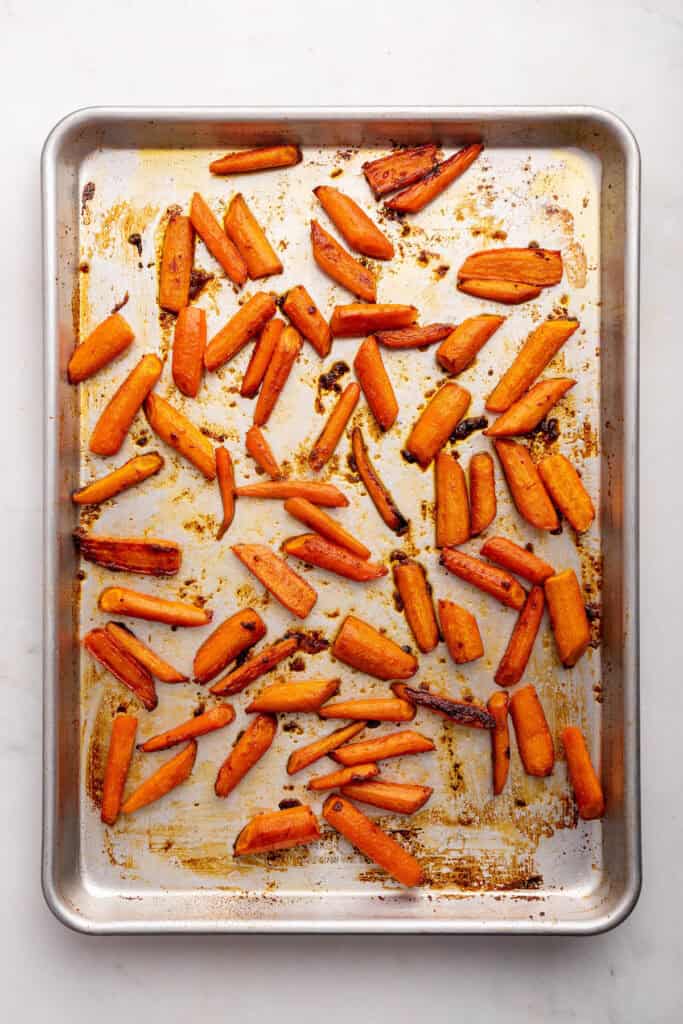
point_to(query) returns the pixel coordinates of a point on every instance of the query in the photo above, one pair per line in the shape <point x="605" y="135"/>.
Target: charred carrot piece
<point x="245" y="231"/>
<point x="261" y="452"/>
<point x="437" y="421"/>
<point x="189" y="343"/>
<point x="131" y="473"/>
<point x="531" y="408"/>
<point x="278" y="830"/>
<point x="542" y="267"/>
<point x="500" y="740"/>
<point x="329" y="438"/>
<point x="234" y="636"/>
<point x="399" y="797"/>
<point x="121" y="747"/>
<point x="483" y="505"/>
<point x="223" y="250"/>
<point x="375" y="382"/>
<point x="452" y="505"/>
<point x="380" y="496"/>
<point x="293" y="593"/>
<point x="371" y="709"/>
<point x="305" y="695"/>
<point x="104" y="344"/>
<point x="102" y="646"/>
<point x="489" y="578"/>
<point x="308" y="320"/>
<point x="369" y="838"/>
<point x="143" y="555"/>
<point x="319" y="551"/>
<point x="342" y="776"/>
<point x="520" y="645"/>
<point x="284" y="356"/>
<point x="585" y="783"/>
<point x="177" y="257"/>
<point x="338" y="264"/>
<point x="247" y="321"/>
<point x="226" y="486"/>
<point x="325" y="525"/>
<point x="394" y="744"/>
<point x="155" y="665"/>
<point x="305" y="756"/>
<point x="121" y="601"/>
<point x="526" y="487"/>
<point x="399" y="169"/>
<point x="199" y="725"/>
<point x="534" y="741"/>
<point x="461" y="632"/>
<point x="565" y="488"/>
<point x="261" y="357"/>
<point x="461" y="712"/>
<point x="266" y="660"/>
<point x="416" y="598"/>
<point x="353" y="224"/>
<point x="249" y="748"/>
<point x="263" y="159"/>
<point x="469" y="337"/>
<point x="518" y="560"/>
<point x="317" y="493"/>
<point x="509" y="293"/>
<point x="414" y="337"/>
<point x="357" y="319"/>
<point x="568" y="616"/>
<point x="162" y="781"/>
<point x="179" y="433"/>
<point x="116" y="419"/>
<point x="534" y="355"/>
<point x="361" y="646"/>
<point x="417" y="196"/>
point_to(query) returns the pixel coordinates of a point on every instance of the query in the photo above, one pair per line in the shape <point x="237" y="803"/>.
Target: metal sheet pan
<point x="565" y="177"/>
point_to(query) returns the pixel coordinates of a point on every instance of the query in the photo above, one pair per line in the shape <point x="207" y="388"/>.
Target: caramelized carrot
<point x="249" y="237"/>
<point x="234" y="636"/>
<point x="375" y="382"/>
<point x="542" y="267"/>
<point x="277" y="830"/>
<point x="102" y="646"/>
<point x="189" y="343"/>
<point x="342" y="776"/>
<point x="249" y="748"/>
<point x="117" y="417"/>
<point x="483" y="504"/>
<point x="178" y="432"/>
<point x="121" y="746"/>
<point x="308" y="320"/>
<point x="263" y="159"/>
<point x="417" y="196"/>
<point x="510" y="293"/>
<point x="198" y="725"/>
<point x="163" y="780"/>
<point x="437" y="421"/>
<point x="371" y="709"/>
<point x="284" y="356"/>
<point x="491" y="580"/>
<point x="226" y="487"/>
<point x="223" y="250"/>
<point x="261" y="357"/>
<point x="338" y="264"/>
<point x="568" y="616"/>
<point x="316" y="550"/>
<point x="369" y="838"/>
<point x="393" y="744"/>
<point x="460" y="348"/>
<point x="108" y="340"/>
<point x="155" y="665"/>
<point x="317" y="493"/>
<point x="293" y="593"/>
<point x="325" y="525"/>
<point x="147" y="556"/>
<point x="399" y="169"/>
<point x="399" y="797"/>
<point x="303" y="695"/>
<point x="414" y="337"/>
<point x="452" y="506"/>
<point x="500" y="740"/>
<point x="131" y="473"/>
<point x="534" y="741"/>
<point x="518" y="560"/>
<point x="361" y="646"/>
<point x="461" y="712"/>
<point x="526" y="487"/>
<point x="565" y="488"/>
<point x="177" y="257"/>
<point x="305" y="756"/>
<point x="461" y="632"/>
<point x="416" y="598"/>
<point x="353" y="224"/>
<point x="261" y="452"/>
<point x="380" y="496"/>
<point x="329" y="438"/>
<point x="585" y="783"/>
<point x="357" y="319"/>
<point x="121" y="601"/>
<point x="266" y="660"/>
<point x="535" y="354"/>
<point x="526" y="413"/>
<point x="521" y="642"/>
<point x="249" y="319"/>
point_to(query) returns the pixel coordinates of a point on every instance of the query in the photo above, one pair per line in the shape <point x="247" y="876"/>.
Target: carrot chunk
<point x="331" y="434"/>
<point x="303" y="695"/>
<point x="121" y="601"/>
<point x="162" y="781"/>
<point x="491" y="580"/>
<point x="534" y="355"/>
<point x="261" y="452"/>
<point x="568" y="616"/>
<point x="305" y="756"/>
<point x="483" y="505"/>
<point x="177" y="257"/>
<point x="416" y="598"/>
<point x="115" y="422"/>
<point x="342" y="776"/>
<point x="226" y="486"/>
<point x="154" y="664"/>
<point x="437" y="421"/>
<point x="249" y="320"/>
<point x="143" y="555"/>
<point x="528" y="411"/>
<point x="261" y="357"/>
<point x="249" y="748"/>
<point x="223" y="250"/>
<point x="531" y="729"/>
<point x="278" y="830"/>
<point x="565" y="488"/>
<point x="102" y="646"/>
<point x="542" y="267"/>
<point x="308" y="320"/>
<point x="399" y="169"/>
<point x="375" y="382"/>
<point x="520" y="645"/>
<point x="294" y="593"/>
<point x="585" y="783"/>
<point x="526" y="487"/>
<point x="393" y="744"/>
<point x="234" y="636"/>
<point x="500" y="740"/>
<point x="316" y="550"/>
<point x="417" y="196"/>
<point x="245" y="231"/>
<point x="461" y="632"/>
<point x="460" y="348"/>
<point x="284" y="356"/>
<point x="108" y="340"/>
<point x="189" y="343"/>
<point x="452" y="505"/>
<point x="353" y="224"/>
<point x="461" y="712"/>
<point x="509" y="293"/>
<point x="317" y="493"/>
<point x="380" y="496"/>
<point x="262" y="159"/>
<point x="198" y="725"/>
<point x="255" y="667"/>
<point x="518" y="560"/>
<point x="121" y="747"/>
<point x="131" y="473"/>
<point x="361" y="646"/>
<point x="399" y="797"/>
<point x="325" y="525"/>
<point x="414" y="337"/>
<point x="179" y="433"/>
<point x="358" y="319"/>
<point x="372" y="709"/>
<point x="369" y="838"/>
<point x="338" y="264"/>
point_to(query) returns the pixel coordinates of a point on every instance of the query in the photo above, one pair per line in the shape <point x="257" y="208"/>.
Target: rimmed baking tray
<point x="564" y="177"/>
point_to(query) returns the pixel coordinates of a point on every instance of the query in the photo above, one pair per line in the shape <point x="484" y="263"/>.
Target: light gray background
<point x="56" y="56"/>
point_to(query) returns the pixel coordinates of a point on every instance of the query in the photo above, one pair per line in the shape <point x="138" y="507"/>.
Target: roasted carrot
<point x="317" y="493"/>
<point x="189" y="343"/>
<point x="399" y="797"/>
<point x="249" y="319"/>
<point x="260" y="357"/>
<point x="489" y="578"/>
<point x="565" y="488"/>
<point x="178" y="432"/>
<point x="329" y="438"/>
<point x="316" y="550"/>
<point x="376" y="384"/>
<point x="133" y="472"/>
<point x="521" y="642"/>
<point x="483" y="504"/>
<point x="461" y="632"/>
<point x="528" y="411"/>
<point x="228" y="641"/>
<point x="416" y="598"/>
<point x="534" y="741"/>
<point x="460" y="348"/>
<point x="121" y="747"/>
<point x="380" y="496"/>
<point x="325" y="525"/>
<point x="226" y="486"/>
<point x="369" y="838"/>
<point x="198" y="725"/>
<point x="542" y="267"/>
<point x="277" y="830"/>
<point x="371" y="709"/>
<point x="414" y="337"/>
<point x="249" y="748"/>
<point x="302" y="695"/>
<point x="263" y="159"/>
<point x="223" y="250"/>
<point x="266" y="660"/>
<point x="535" y="354"/>
<point x="361" y="646"/>
<point x="342" y="776"/>
<point x="305" y="756"/>
<point x="177" y="257"/>
<point x="163" y="780"/>
<point x="117" y="417"/>
<point x="144" y="555"/>
<point x="121" y="601"/>
<point x="284" y="356"/>
<point x="353" y="224"/>
<point x="249" y="237"/>
<point x="585" y="783"/>
<point x="293" y="593"/>
<point x="357" y="319"/>
<point x="159" y="668"/>
<point x="108" y="340"/>
<point x="452" y="506"/>
<point x="417" y="196"/>
<point x="568" y="616"/>
<point x="399" y="169"/>
<point x="338" y="264"/>
<point x="393" y="744"/>
<point x="462" y="712"/>
<point x="437" y="421"/>
<point x="308" y="320"/>
<point x="518" y="560"/>
<point x="261" y="452"/>
<point x="500" y="740"/>
<point x="510" y="293"/>
<point x="102" y="646"/>
<point x="526" y="487"/>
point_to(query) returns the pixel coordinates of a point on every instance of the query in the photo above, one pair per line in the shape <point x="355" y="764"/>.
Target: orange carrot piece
<point x="483" y="505"/>
<point x="198" y="725"/>
<point x="177" y="257"/>
<point x="416" y="598"/>
<point x="179" y="433"/>
<point x="566" y="489"/>
<point x="249" y="320"/>
<point x="317" y="493"/>
<point x="417" y="196"/>
<point x="235" y="635"/>
<point x="154" y="664"/>
<point x="338" y="264"/>
<point x="399" y="169"/>
<point x="145" y="555"/>
<point x="226" y="487"/>
<point x="509" y="293"/>
<point x="102" y="646"/>
<point x="376" y="384"/>
<point x="261" y="357"/>
<point x="329" y="437"/>
<point x="542" y="267"/>
<point x="122" y="601"/>
<point x="526" y="487"/>
<point x="108" y="340"/>
<point x="393" y="744"/>
<point x="461" y="712"/>
<point x="305" y="756"/>
<point x="371" y="709"/>
<point x="379" y="495"/>
<point x="293" y="593"/>
<point x="461" y="632"/>
<point x="585" y="783"/>
<point x="531" y="729"/>
<point x="534" y="355"/>
<point x="284" y="356"/>
<point x="356" y="319"/>
<point x="361" y="646"/>
<point x="249" y="748"/>
<point x="489" y="578"/>
<point x="414" y="337"/>
<point x="277" y="830"/>
<point x="342" y="776"/>
<point x="131" y="473"/>
<point x="526" y="413"/>
<point x="189" y="343"/>
<point x="437" y="421"/>
<point x="266" y="660"/>
<point x="316" y="550"/>
<point x="518" y="560"/>
<point x="121" y="747"/>
<point x="325" y="525"/>
<point x="261" y="452"/>
<point x="399" y="797"/>
<point x="262" y="159"/>
<point x="308" y="320"/>
<point x="469" y="337"/>
<point x="171" y="774"/>
<point x="245" y="231"/>
<point x="303" y="695"/>
<point x="223" y="250"/>
<point x="500" y="740"/>
<point x="521" y="642"/>
<point x="452" y="506"/>
<point x="117" y="417"/>
<point x="353" y="224"/>
<point x="369" y="838"/>
<point x="568" y="616"/>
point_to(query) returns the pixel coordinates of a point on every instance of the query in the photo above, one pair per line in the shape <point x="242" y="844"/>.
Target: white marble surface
<point x="56" y="57"/>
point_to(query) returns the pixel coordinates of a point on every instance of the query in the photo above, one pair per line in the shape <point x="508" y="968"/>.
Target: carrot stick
<point x="534" y="355"/>
<point x="277" y="830"/>
<point x="491" y="580"/>
<point x="417" y="196"/>
<point x="226" y="486"/>
<point x="460" y="348"/>
<point x="171" y="774"/>
<point x="414" y="337"/>
<point x="108" y="340"/>
<point x="155" y="665"/>
<point x="372" y="709"/>
<point x="568" y="616"/>
<point x="353" y="224"/>
<point x="416" y="598"/>
<point x="534" y="741"/>
<point x="284" y="356"/>
<point x="178" y="432"/>
<point x="117" y="417"/>
<point x="305" y="756"/>
<point x="316" y="550"/>
<point x="526" y="487"/>
<point x="461" y="632"/>
<point x="306" y="695"/>
<point x="399" y="169"/>
<point x="249" y="748"/>
<point x="189" y="343"/>
<point x="526" y="413"/>
<point x="461" y="712"/>
<point x="510" y="293"/>
<point x="380" y="496"/>
<point x="102" y="646"/>
<point x="521" y="642"/>
<point x="437" y="421"/>
<point x="399" y="797"/>
<point x="361" y="646"/>
<point x="293" y="593"/>
<point x="518" y="560"/>
<point x="565" y="488"/>
<point x="249" y="237"/>
<point x="177" y="257"/>
<point x="585" y="783"/>
<point x="542" y="267"/>
<point x="329" y="438"/>
<point x="262" y="159"/>
<point x="369" y="838"/>
<point x="147" y="556"/>
<point x="375" y="382"/>
<point x="308" y="320"/>
<point x="393" y="744"/>
<point x="199" y="725"/>
<point x="223" y="250"/>
<point x="235" y="635"/>
<point x="249" y="319"/>
<point x="356" y="319"/>
<point x="266" y="660"/>
<point x="317" y="493"/>
<point x="261" y="452"/>
<point x="261" y="357"/>
<point x="325" y="525"/>
<point x="500" y="740"/>
<point x="342" y="776"/>
<point x="483" y="504"/>
<point x="338" y="264"/>
<point x="121" y="601"/>
<point x="452" y="506"/>
<point x="131" y="473"/>
<point x="121" y="746"/>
